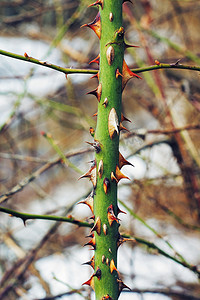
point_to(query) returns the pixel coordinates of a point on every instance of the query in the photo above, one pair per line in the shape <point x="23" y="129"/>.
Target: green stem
<point x="25" y="217"/>
<point x="106" y="242"/>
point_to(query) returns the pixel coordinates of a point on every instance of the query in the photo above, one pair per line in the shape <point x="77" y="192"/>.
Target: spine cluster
<point x="105" y="172"/>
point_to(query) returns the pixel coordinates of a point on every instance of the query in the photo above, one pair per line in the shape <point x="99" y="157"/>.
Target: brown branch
<point x="24" y="182"/>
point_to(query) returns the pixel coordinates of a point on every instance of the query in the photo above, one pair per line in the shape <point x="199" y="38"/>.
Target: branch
<point x="24" y="182"/>
<point x="162" y="252"/>
<point x="143" y="132"/>
<point x="67" y="71"/>
<point x="25" y="217"/>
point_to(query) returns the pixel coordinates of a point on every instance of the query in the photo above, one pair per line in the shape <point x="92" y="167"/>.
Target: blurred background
<point x="43" y="260"/>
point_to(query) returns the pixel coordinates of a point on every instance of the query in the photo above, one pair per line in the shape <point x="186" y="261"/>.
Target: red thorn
<point x="92" y="131"/>
<point x="127" y="74"/>
<point x="95" y="25"/>
<point x="106" y="297"/>
<point x="121" y="127"/>
<point x="98" y="2"/>
<point x="117" y="74"/>
<point x="123" y="118"/>
<point x="95" y="60"/>
<point x="119" y="211"/>
<point x="111" y="215"/>
<point x="90" y="262"/>
<point x="123" y="161"/>
<point x="157" y="62"/>
<point x="26" y="55"/>
<point x="95" y="76"/>
<point x="106" y="185"/>
<point x="97" y="92"/>
<point x="43" y="133"/>
<point x="90" y="282"/>
<point x="112" y="266"/>
<point x="119" y="175"/>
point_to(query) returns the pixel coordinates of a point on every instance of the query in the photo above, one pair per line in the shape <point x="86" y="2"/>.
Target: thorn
<point x="117" y="74"/>
<point x="112" y="176"/>
<point x="130" y="46"/>
<point x="113" y="123"/>
<point x="124" y="118"/>
<point x="98" y="273"/>
<point x="119" y="175"/>
<point x="106" y="185"/>
<point x="92" y="242"/>
<point x="95" y="60"/>
<point x="123" y="161"/>
<point x="111" y="215"/>
<point x="127" y="74"/>
<point x="98" y="2"/>
<point x="110" y="250"/>
<point x="95" y="76"/>
<point x="121" y="127"/>
<point x="100" y="168"/>
<point x="122" y="240"/>
<point x="90" y="262"/>
<point x="119" y="211"/>
<point x="96" y="92"/>
<point x="122" y="285"/>
<point x="89" y="201"/>
<point x="26" y="55"/>
<point x="105" y="229"/>
<point x="97" y="226"/>
<point x="112" y="267"/>
<point x="91" y="174"/>
<point x="157" y="62"/>
<point x="110" y="54"/>
<point x="95" y="25"/>
<point x="106" y="297"/>
<point x="111" y="17"/>
<point x="92" y="132"/>
<point x="103" y="259"/>
<point x="96" y="146"/>
<point x="105" y="103"/>
<point x="107" y="261"/>
<point x="90" y="282"/>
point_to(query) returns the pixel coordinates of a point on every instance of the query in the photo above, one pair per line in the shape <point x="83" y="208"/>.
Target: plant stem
<point x="106" y="242"/>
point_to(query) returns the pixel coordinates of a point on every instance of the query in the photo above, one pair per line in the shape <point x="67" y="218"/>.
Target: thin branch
<point x="24" y="182"/>
<point x="25" y="217"/>
<point x="160" y="251"/>
<point x="142" y="132"/>
<point x="67" y="71"/>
